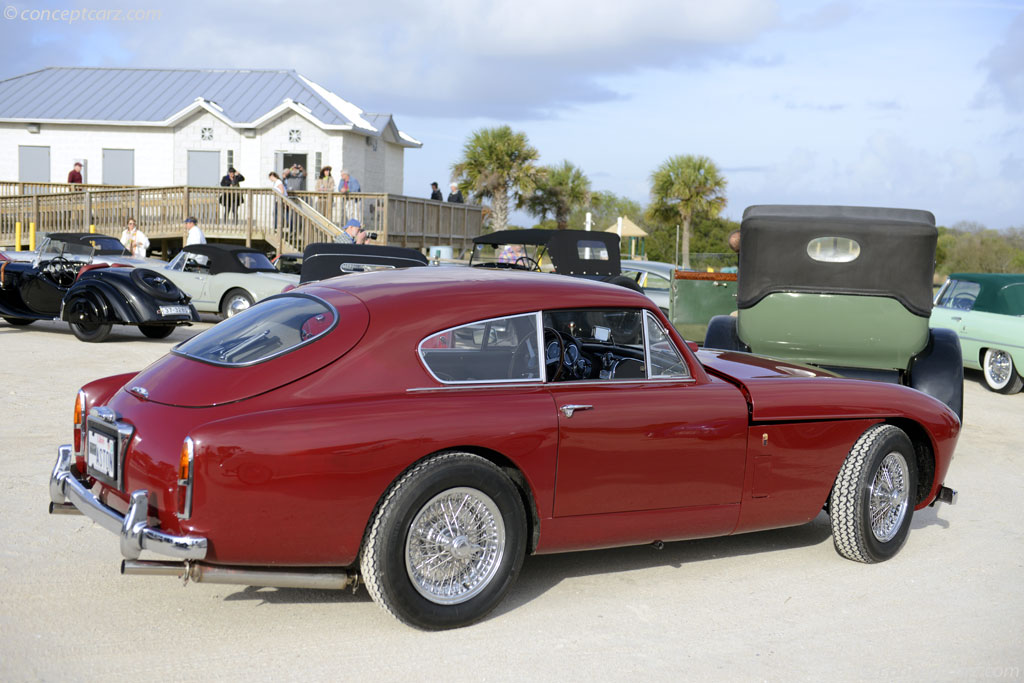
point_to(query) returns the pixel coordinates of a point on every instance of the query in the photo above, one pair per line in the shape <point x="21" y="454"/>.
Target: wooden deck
<point x="250" y="216"/>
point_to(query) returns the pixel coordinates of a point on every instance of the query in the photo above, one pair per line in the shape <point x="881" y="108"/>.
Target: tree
<point x="683" y="187"/>
<point x="498" y="164"/>
<point x="604" y="208"/>
<point x="560" y="190"/>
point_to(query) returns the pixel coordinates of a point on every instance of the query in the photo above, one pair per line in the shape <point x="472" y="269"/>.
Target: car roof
<point x="453" y="295"/>
<point x="224" y="257"/>
<point x="896" y="258"/>
<point x="1001" y="293"/>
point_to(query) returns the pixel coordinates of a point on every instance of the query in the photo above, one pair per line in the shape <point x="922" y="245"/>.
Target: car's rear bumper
<point x="135" y="533"/>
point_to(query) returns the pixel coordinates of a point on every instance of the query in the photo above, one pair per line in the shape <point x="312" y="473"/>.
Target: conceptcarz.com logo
<point x="82" y="14"/>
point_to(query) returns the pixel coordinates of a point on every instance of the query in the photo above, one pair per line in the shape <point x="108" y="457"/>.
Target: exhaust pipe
<point x="276" y="578"/>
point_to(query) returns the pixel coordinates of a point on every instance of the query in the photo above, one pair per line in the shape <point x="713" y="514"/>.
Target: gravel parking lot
<point x="778" y="605"/>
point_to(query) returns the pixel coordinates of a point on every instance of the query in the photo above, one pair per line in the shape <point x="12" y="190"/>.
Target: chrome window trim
<point x="292" y="294"/>
<point x="476" y="382"/>
<point x="649" y="318"/>
<point x="535" y="384"/>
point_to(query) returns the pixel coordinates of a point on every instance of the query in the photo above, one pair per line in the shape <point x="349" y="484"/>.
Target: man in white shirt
<point x="134" y="240"/>
<point x="195" y="235"/>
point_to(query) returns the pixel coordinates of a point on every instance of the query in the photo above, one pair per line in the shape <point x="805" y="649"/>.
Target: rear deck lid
<point x="277" y="341"/>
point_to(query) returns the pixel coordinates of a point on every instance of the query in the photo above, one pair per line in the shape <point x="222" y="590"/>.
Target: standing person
<point x="231" y="200"/>
<point x="295" y="179"/>
<point x="75" y="174"/>
<point x="455" y="196"/>
<point x="435" y="193"/>
<point x="325" y="181"/>
<point x="194" y="235"/>
<point x="134" y="240"/>
<point x="348" y="184"/>
<point x="281" y="189"/>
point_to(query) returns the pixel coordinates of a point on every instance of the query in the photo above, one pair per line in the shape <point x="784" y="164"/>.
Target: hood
<point x="744" y="366"/>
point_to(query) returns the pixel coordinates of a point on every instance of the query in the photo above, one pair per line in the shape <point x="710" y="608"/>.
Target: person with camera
<point x="353" y="233"/>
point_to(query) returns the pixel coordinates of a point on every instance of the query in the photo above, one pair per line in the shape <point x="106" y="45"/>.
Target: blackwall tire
<point x="872" y="501"/>
<point x="155" y="284"/>
<point x="156" y="331"/>
<point x="1001" y="375"/>
<point x="91" y="332"/>
<point x="234" y="302"/>
<point x="445" y="543"/>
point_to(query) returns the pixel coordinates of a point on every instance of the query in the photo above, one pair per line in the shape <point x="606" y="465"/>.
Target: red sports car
<point x="426" y="429"/>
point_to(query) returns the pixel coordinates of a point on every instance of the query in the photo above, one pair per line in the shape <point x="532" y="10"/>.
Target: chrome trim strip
<point x="135" y="535"/>
<point x="535" y="384"/>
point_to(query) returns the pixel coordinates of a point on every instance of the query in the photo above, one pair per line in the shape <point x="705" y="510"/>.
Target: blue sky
<point x="894" y="103"/>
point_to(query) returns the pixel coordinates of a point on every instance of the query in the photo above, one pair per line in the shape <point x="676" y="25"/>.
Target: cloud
<point x="1005" y="71"/>
<point x="511" y="59"/>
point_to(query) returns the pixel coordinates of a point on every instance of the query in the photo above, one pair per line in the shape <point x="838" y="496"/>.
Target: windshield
<point x="269" y="329"/>
<point x="511" y="256"/>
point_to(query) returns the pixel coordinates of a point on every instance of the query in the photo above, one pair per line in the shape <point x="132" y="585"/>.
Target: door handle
<point x="957" y="318"/>
<point x="568" y="410"/>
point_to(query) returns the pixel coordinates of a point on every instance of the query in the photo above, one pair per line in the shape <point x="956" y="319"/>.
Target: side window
<point x="657" y="282"/>
<point x="496" y="350"/>
<point x="178" y="262"/>
<point x="959" y="294"/>
<point x="664" y="358"/>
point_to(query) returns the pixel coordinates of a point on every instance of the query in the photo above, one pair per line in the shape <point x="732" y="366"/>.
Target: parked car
<point x="86" y="247"/>
<point x="323" y="260"/>
<point x="579" y="253"/>
<point x="290" y="263"/>
<point x="90" y="297"/>
<point x="225" y="278"/>
<point x="986" y="311"/>
<point x="427" y="428"/>
<point x="844" y="288"/>
<point x="654" y="278"/>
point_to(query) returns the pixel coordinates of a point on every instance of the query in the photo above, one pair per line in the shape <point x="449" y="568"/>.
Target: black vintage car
<point x="91" y="297"/>
<point x="322" y="260"/>
<point x="579" y="253"/>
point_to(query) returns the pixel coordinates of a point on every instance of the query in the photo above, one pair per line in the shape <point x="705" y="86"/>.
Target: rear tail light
<point x="186" y="466"/>
<point x="79" y="419"/>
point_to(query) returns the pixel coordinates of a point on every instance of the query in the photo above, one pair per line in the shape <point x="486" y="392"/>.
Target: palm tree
<point x="561" y="189"/>
<point x="498" y="164"/>
<point x="685" y="186"/>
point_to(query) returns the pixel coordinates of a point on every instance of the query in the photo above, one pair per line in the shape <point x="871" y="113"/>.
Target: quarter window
<point x="496" y="350"/>
<point x="664" y="358"/>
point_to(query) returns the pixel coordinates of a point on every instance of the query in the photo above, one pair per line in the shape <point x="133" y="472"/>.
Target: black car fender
<point x="102" y="299"/>
<point x="939" y="370"/>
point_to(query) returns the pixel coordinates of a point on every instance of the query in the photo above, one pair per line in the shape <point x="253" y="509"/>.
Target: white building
<point x="161" y="127"/>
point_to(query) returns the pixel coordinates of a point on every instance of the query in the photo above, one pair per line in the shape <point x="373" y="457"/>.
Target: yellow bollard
<point x="92" y="227"/>
<point x="31" y="236"/>
<point x="17" y="236"/>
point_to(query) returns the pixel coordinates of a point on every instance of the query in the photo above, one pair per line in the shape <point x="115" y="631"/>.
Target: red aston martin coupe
<point x="424" y="430"/>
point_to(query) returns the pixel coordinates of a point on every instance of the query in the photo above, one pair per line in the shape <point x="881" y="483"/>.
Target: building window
<point x="231" y="158"/>
<point x="319" y="163"/>
<point x="295" y="135"/>
<point x="206" y="133"/>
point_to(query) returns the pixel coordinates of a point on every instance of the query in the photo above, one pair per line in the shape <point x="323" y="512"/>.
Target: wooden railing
<point x="13" y="187"/>
<point x="248" y="215"/>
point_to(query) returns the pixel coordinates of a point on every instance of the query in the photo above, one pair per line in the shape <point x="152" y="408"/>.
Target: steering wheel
<point x="527" y="263"/>
<point x="60" y="270"/>
<point x="554" y="354"/>
<point x="964" y="302"/>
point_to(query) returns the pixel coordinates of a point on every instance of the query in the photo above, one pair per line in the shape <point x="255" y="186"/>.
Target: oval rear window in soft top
<point x="270" y="329"/>
<point x="833" y="249"/>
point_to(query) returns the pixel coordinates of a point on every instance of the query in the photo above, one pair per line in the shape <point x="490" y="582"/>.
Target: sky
<point x="900" y="103"/>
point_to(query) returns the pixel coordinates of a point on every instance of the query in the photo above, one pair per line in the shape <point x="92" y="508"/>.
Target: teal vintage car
<point x="845" y="288"/>
<point x="986" y="310"/>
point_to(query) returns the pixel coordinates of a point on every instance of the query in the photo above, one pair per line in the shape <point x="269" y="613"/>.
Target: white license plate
<point x="101" y="455"/>
<point x="174" y="310"/>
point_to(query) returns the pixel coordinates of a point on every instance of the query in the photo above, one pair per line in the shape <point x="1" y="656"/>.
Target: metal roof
<point x="158" y="96"/>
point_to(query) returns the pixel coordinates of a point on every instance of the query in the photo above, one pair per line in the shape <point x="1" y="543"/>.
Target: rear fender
<point x="939" y="370"/>
<point x="104" y="298"/>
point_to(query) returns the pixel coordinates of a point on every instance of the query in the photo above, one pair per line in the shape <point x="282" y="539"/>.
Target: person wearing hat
<point x="353" y="233"/>
<point x="195" y="235"/>
<point x="435" y="193"/>
<point x="231" y="200"/>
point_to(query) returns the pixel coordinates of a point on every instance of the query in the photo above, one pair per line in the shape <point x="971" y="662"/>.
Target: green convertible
<point x="986" y="310"/>
<point x="846" y="288"/>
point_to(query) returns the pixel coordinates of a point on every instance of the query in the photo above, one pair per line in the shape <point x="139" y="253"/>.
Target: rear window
<point x="267" y="330"/>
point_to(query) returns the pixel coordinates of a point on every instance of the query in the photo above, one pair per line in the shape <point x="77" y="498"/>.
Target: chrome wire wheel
<point x="455" y="545"/>
<point x="888" y="496"/>
<point x="998" y="368"/>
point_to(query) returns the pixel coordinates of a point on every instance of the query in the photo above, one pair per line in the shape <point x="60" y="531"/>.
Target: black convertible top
<point x="896" y="253"/>
<point x="322" y="260"/>
<point x="228" y="258"/>
<point x="573" y="252"/>
<point x="91" y="240"/>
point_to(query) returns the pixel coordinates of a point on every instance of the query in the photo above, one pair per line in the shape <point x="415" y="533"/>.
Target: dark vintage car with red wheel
<point x="425" y="430"/>
<point x="90" y="296"/>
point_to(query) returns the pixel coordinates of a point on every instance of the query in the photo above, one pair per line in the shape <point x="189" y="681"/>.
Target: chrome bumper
<point x="135" y="535"/>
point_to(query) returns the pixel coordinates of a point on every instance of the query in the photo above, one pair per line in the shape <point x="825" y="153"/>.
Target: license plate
<point x="101" y="455"/>
<point x="174" y="310"/>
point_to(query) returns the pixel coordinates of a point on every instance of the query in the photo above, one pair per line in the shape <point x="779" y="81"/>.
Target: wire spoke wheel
<point x="455" y="545"/>
<point x="888" y="497"/>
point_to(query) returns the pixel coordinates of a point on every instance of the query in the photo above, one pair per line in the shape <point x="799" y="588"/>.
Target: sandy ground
<point x="778" y="605"/>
